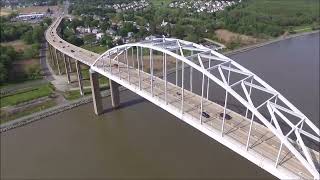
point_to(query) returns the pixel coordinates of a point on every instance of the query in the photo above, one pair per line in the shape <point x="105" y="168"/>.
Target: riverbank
<point x="254" y="46"/>
<point x="50" y="111"/>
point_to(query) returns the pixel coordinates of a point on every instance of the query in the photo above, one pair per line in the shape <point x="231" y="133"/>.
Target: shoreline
<point x="51" y="111"/>
<point x="255" y="46"/>
<point x="85" y="100"/>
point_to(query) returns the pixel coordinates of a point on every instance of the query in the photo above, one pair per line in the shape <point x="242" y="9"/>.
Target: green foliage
<point x="10" y="31"/>
<point x="30" y="34"/>
<point x="270" y="17"/>
<point x="89" y="39"/>
<point x="46" y="21"/>
<point x="75" y="40"/>
<point x="107" y="41"/>
<point x="27" y="37"/>
<point x="127" y="27"/>
<point x="7" y="56"/>
<point x="260" y="18"/>
<point x="5" y="117"/>
<point x="33" y="72"/>
<point x="31" y="52"/>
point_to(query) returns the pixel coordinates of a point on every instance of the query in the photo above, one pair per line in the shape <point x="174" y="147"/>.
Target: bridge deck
<point x="263" y="144"/>
<point x="262" y="141"/>
<point x="77" y="53"/>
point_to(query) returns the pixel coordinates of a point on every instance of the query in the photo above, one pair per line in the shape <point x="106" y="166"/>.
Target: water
<point x="292" y="68"/>
<point x="141" y="140"/>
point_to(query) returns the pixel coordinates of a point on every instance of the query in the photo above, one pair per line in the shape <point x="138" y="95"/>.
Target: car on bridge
<point x="227" y="116"/>
<point x="204" y="114"/>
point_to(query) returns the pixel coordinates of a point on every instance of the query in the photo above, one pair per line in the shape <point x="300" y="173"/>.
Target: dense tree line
<point x="7" y="56"/>
<point x="32" y="35"/>
<point x="269" y="17"/>
<point x="262" y="18"/>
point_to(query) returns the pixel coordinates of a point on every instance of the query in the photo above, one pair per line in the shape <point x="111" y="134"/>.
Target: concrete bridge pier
<point x="96" y="94"/>
<point x="79" y="74"/>
<point x="115" y="95"/>
<point x="69" y="64"/>
<point x="66" y="68"/>
<point x="51" y="53"/>
<point x="57" y="60"/>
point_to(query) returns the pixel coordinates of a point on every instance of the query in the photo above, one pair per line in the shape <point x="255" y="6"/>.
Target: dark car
<point x="72" y="50"/>
<point x="227" y="117"/>
<point x="60" y="41"/>
<point x="178" y="93"/>
<point x="206" y="115"/>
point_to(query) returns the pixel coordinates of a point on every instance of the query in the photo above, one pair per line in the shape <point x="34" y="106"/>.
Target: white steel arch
<point x="278" y="108"/>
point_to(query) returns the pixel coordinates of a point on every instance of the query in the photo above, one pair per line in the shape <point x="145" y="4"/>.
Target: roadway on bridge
<point x="262" y="141"/>
<point x="264" y="145"/>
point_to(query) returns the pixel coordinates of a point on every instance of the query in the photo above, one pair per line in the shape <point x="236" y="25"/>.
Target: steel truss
<point x="221" y="69"/>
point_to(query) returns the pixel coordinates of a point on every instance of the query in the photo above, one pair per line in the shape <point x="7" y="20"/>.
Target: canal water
<point x="140" y="140"/>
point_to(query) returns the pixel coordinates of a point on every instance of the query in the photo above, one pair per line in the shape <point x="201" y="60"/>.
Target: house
<point x="99" y="36"/>
<point x="95" y="31"/>
<point x="163" y="23"/>
<point x="130" y="34"/>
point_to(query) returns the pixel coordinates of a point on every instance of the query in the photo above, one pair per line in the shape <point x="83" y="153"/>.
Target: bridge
<point x="202" y="88"/>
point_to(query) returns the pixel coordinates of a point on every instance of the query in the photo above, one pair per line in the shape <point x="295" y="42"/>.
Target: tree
<point x="75" y="40"/>
<point x="37" y="34"/>
<point x="89" y="39"/>
<point x="105" y="26"/>
<point x="27" y="37"/>
<point x="107" y="41"/>
<point x="178" y="31"/>
<point x="3" y="73"/>
<point x="30" y="53"/>
<point x="47" y="21"/>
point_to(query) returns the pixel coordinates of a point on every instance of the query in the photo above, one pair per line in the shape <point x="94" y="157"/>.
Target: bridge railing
<point x="216" y="76"/>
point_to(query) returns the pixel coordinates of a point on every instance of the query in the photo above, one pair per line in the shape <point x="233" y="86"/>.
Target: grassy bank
<point x="26" y="95"/>
<point x="5" y="117"/>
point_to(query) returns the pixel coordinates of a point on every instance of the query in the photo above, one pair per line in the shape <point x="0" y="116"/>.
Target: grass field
<point x="39" y="9"/>
<point x="27" y="95"/>
<point x="75" y="94"/>
<point x="5" y="118"/>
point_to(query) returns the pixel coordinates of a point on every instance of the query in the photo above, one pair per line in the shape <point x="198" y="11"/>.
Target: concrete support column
<point x="79" y="74"/>
<point x="115" y="95"/>
<point x="69" y="64"/>
<point x="66" y="68"/>
<point x="57" y="61"/>
<point x="50" y="52"/>
<point x="96" y="95"/>
<point x="52" y="55"/>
